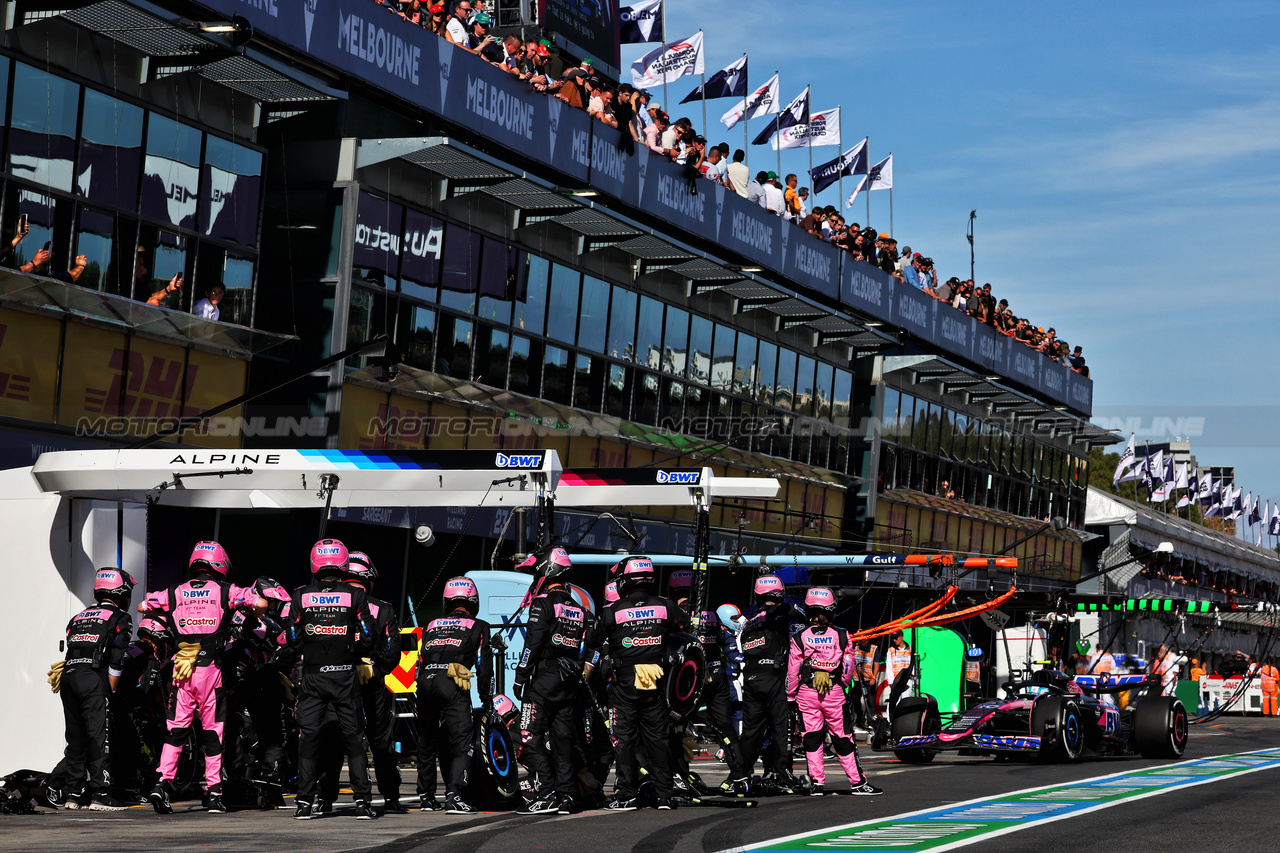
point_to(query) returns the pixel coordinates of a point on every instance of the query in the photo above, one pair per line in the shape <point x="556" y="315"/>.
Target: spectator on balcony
<point x="813" y="222"/>
<point x="904" y="260"/>
<point x="1004" y="320"/>
<point x="483" y="42"/>
<point x="755" y="188"/>
<point x="412" y="11"/>
<point x="208" y="308"/>
<point x="653" y="133"/>
<point x="714" y="167"/>
<point x="774" y="200"/>
<point x="911" y="270"/>
<point x="626" y="110"/>
<point x="512" y="55"/>
<point x="739" y="176"/>
<point x="803" y="192"/>
<point x="1076" y="359"/>
<point x="1049" y="343"/>
<point x="928" y="276"/>
<point x="22" y="230"/>
<point x="165" y="295"/>
<point x="477" y="8"/>
<point x="946" y="291"/>
<point x="976" y="307"/>
<point x="455" y="28"/>
<point x="790" y="199"/>
<point x="601" y="106"/>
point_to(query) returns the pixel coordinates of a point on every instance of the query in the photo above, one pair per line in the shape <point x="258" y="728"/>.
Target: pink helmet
<point x="636" y="571"/>
<point x="461" y="591"/>
<point x="504" y="709"/>
<point x="819" y="599"/>
<point x="769" y="586"/>
<point x="153" y="629"/>
<point x="678" y="580"/>
<point x="611" y="592"/>
<point x="549" y="561"/>
<point x="113" y="582"/>
<point x="209" y="556"/>
<point x="361" y="569"/>
<point x="328" y="554"/>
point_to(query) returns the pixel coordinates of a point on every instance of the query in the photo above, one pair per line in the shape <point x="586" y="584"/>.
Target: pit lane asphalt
<point x="1236" y="814"/>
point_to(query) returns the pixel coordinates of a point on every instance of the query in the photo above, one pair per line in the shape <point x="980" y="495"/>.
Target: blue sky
<point x="1124" y="160"/>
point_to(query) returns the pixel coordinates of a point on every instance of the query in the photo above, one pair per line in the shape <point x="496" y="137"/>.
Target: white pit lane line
<point x="934" y="827"/>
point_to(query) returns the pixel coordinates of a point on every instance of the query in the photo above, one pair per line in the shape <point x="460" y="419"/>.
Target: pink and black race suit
<point x="556" y="628"/>
<point x="200" y="611"/>
<point x="331" y="624"/>
<point x="97" y="638"/>
<point x="457" y="638"/>
<point x="635" y="627"/>
<point x="827" y="650"/>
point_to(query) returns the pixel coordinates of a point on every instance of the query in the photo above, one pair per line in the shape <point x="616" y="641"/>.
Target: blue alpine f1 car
<point x="1051" y="716"/>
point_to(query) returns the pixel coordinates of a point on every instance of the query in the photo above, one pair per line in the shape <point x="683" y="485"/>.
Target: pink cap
<point x="113" y="582"/>
<point x="504" y="708"/>
<point x="611" y="592"/>
<point x="819" y="596"/>
<point x="461" y="588"/>
<point x="210" y="555"/>
<point x="769" y="585"/>
<point x="328" y="554"/>
<point x="682" y="579"/>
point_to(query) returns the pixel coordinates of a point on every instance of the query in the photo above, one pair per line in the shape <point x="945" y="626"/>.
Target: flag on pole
<point x="1162" y="492"/>
<point x="1187" y="486"/>
<point x="1205" y="493"/>
<point x="1245" y="507"/>
<point x="1168" y="481"/>
<point x="1127" y="457"/>
<point x="641" y="22"/>
<point x="881" y="174"/>
<point x="763" y="101"/>
<point x="862" y="183"/>
<point x="728" y="82"/>
<point x="669" y="62"/>
<point x="1254" y="514"/>
<point x="851" y="162"/>
<point x="796" y="112"/>
<point x="823" y="129"/>
<point x="1145" y="475"/>
<point x="1234" y="506"/>
<point x="1274" y="526"/>
<point x="1157" y="467"/>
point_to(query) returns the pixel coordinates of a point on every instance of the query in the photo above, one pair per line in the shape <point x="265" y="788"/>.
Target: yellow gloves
<point x="461" y="676"/>
<point x="287" y="685"/>
<point x="822" y="682"/>
<point x="55" y="675"/>
<point x="647" y="675"/>
<point x="364" y="670"/>
<point x="184" y="662"/>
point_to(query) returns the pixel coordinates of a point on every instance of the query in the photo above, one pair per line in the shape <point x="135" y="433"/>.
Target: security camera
<point x="424" y="535"/>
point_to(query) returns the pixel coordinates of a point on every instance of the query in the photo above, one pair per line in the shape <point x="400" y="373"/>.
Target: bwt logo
<point x="821" y="641"/>
<point x="194" y="594"/>
<point x="679" y="478"/>
<point x="646" y="613"/>
<point x="328" y="551"/>
<point x="318" y="600"/>
<point x="514" y="461"/>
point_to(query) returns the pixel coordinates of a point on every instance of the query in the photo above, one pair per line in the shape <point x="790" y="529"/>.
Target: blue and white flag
<point x="880" y="176"/>
<point x="1205" y="493"/>
<point x="853" y="196"/>
<point x="1127" y="457"/>
<point x="762" y="102"/>
<point x="1254" y="514"/>
<point x="851" y="162"/>
<point x="728" y="82"/>
<point x="1273" y="527"/>
<point x="641" y="22"/>
<point x="823" y="129"/>
<point x="796" y="112"/>
<point x="669" y="62"/>
<point x="1187" y="485"/>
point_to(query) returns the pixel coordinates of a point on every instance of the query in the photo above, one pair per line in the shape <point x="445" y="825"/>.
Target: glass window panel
<point x="822" y="391"/>
<point x="232" y="187"/>
<point x="525" y="368"/>
<point x="675" y="345"/>
<point x="531" y="304"/>
<point x="502" y="268"/>
<point x="376" y="254"/>
<point x="766" y="372"/>
<point x="171" y="174"/>
<point x="593" y="317"/>
<point x="562" y="306"/>
<point x="889" y="424"/>
<point x="218" y="267"/>
<point x="420" y="251"/>
<point x="695" y="403"/>
<point x="722" y="358"/>
<point x="646" y="403"/>
<point x="361" y="314"/>
<point x="4" y="90"/>
<point x="617" y="391"/>
<point x="492" y="356"/>
<point x="934" y="434"/>
<point x="649" y="334"/>
<point x="420" y="344"/>
<point x="110" y="150"/>
<point x="700" y="329"/>
<point x="42" y="132"/>
<point x="456" y="345"/>
<point x="784" y="388"/>
<point x="804" y="385"/>
<point x="622" y="326"/>
<point x="557" y="384"/>
<point x="162" y="254"/>
<point x="461" y="269"/>
<point x="588" y="383"/>
<point x="671" y="405"/>
<point x="744" y="365"/>
<point x="95" y="240"/>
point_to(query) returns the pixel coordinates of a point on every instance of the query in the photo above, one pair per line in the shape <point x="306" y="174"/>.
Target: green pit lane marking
<point x="961" y="824"/>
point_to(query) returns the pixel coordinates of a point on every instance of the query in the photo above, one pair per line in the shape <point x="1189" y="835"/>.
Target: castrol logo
<point x="327" y="630"/>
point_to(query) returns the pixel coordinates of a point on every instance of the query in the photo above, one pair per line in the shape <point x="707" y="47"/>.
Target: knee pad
<point x="842" y="745"/>
<point x="211" y="742"/>
<point x="177" y="737"/>
<point x="813" y="741"/>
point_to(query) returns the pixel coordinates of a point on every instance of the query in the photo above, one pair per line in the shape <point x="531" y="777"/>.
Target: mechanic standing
<point x="635" y="627"/>
<point x="452" y="646"/>
<point x="763" y="641"/>
<point x="897" y="659"/>
<point x="97" y="640"/>
<point x="820" y="666"/>
<point x="331" y="627"/>
<point x="546" y="681"/>
<point x="378" y="701"/>
<point x="715" y="695"/>
<point x="1270" y="687"/>
<point x="200" y="612"/>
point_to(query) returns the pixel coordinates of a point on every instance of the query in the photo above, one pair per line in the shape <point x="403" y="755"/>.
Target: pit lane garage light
<point x="577" y="193"/>
<point x="238" y="29"/>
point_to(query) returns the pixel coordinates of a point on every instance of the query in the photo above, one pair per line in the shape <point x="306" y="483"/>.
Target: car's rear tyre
<point x="1060" y="725"/>
<point x="1160" y="727"/>
<point x="915" y="716"/>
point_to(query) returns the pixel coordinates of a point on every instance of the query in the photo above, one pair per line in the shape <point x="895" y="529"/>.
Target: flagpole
<point x="777" y="123"/>
<point x="666" y="102"/>
<point x="840" y="175"/>
<point x="868" y="220"/>
<point x="704" y="93"/>
<point x="746" y="108"/>
<point x="890" y="211"/>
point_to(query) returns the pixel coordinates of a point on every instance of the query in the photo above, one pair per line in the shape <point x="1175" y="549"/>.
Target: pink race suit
<point x="199" y="612"/>
<point x="827" y="650"/>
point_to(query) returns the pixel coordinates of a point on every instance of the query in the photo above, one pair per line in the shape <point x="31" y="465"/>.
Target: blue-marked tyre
<point x="1057" y="721"/>
<point x="1160" y="727"/>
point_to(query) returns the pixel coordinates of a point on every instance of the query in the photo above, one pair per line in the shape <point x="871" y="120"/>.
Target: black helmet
<point x="549" y="561"/>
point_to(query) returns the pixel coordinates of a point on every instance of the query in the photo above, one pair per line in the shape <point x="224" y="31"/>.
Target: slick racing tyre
<point x="686" y="673"/>
<point x="1060" y="725"/>
<point x="911" y="717"/>
<point x="1160" y="727"/>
